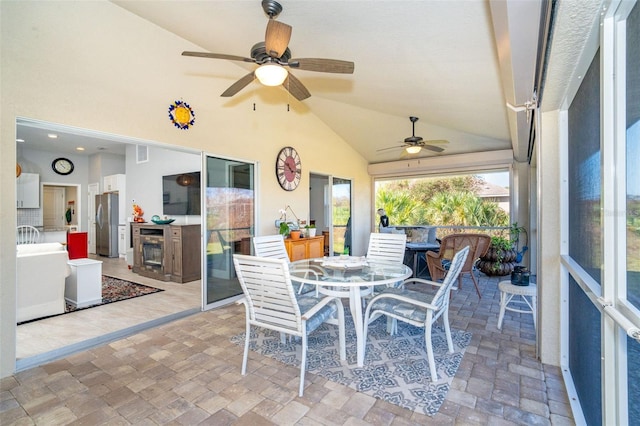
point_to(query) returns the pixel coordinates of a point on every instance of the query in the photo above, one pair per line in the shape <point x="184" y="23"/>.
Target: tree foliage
<point x="439" y="201"/>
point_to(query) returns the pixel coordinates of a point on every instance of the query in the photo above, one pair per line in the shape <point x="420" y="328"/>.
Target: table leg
<point x="415" y="263"/>
<point x="355" y="304"/>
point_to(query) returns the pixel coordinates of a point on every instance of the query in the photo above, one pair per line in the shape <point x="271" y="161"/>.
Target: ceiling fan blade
<point x="296" y="88"/>
<point x="392" y="147"/>
<point x="323" y="65"/>
<point x="238" y="85"/>
<point x="277" y="38"/>
<point x="433" y="148"/>
<point x="218" y="56"/>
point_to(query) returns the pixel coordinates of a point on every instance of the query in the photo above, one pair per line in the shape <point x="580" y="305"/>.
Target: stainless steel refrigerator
<point x="107" y="224"/>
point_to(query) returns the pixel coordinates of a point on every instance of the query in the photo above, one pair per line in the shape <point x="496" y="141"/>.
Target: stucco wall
<point x="95" y="66"/>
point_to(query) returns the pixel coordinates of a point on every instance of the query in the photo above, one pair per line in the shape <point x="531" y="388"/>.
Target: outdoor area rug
<point x="396" y="368"/>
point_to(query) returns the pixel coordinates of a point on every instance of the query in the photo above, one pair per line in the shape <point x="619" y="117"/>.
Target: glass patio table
<point x="352" y="277"/>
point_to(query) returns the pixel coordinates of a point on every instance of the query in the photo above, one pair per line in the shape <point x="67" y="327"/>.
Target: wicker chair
<point x="271" y="303"/>
<point x="451" y="244"/>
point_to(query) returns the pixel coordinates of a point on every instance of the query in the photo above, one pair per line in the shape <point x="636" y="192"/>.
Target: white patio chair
<point x="417" y="308"/>
<point x="271" y="302"/>
<point x="386" y="248"/>
<point x="272" y="246"/>
<point x="27" y="234"/>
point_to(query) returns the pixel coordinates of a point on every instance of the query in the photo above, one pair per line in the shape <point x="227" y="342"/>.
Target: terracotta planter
<point x="294" y="235"/>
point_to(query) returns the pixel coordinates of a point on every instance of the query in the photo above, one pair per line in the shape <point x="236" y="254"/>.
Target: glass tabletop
<point x="347" y="270"/>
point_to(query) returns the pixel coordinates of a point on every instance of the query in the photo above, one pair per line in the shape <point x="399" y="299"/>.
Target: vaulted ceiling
<point x="454" y="64"/>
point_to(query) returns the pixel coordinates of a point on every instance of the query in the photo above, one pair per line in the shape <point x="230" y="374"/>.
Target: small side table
<point x="508" y="290"/>
<point x="84" y="286"/>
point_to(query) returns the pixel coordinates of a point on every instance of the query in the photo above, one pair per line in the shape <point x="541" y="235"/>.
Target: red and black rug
<point x="115" y="290"/>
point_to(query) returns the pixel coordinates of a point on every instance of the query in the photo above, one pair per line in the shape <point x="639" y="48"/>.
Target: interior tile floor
<point x="188" y="372"/>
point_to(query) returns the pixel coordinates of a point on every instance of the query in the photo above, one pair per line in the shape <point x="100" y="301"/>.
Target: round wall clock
<point x="62" y="166"/>
<point x="288" y="168"/>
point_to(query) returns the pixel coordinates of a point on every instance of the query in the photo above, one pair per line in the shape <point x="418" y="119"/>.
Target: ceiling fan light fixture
<point x="271" y="74"/>
<point x="413" y="149"/>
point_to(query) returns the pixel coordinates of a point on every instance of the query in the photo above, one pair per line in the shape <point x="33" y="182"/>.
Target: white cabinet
<point x="117" y="183"/>
<point x="114" y="183"/>
<point x="84" y="286"/>
<point x="28" y="191"/>
<point x="122" y="241"/>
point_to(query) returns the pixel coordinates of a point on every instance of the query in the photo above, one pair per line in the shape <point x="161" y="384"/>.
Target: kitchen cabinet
<point x="28" y="191"/>
<point x="117" y="183"/>
<point x="114" y="183"/>
<point x="304" y="248"/>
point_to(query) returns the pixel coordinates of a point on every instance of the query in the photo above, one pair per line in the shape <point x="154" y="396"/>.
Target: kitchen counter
<point x="54" y="236"/>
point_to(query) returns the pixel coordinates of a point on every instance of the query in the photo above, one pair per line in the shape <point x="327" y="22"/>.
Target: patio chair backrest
<point x="271" y="246"/>
<point x="271" y="300"/>
<point x="387" y="247"/>
<point x="441" y="298"/>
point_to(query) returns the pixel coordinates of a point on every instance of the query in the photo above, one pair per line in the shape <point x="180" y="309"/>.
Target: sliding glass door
<point x="229" y="201"/>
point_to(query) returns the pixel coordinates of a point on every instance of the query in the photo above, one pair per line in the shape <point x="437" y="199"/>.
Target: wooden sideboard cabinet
<point x="304" y="248"/>
<point x="167" y="252"/>
<point x="185" y="250"/>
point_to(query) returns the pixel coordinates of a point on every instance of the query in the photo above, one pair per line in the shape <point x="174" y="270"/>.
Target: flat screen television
<point x="181" y="194"/>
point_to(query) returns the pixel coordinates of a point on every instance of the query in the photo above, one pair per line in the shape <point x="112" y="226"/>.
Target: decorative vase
<point x="294" y="235"/>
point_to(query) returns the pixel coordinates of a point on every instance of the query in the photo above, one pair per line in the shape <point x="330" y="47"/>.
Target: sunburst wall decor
<point x="181" y="115"/>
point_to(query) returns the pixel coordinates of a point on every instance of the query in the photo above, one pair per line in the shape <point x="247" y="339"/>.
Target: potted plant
<point x="310" y="230"/>
<point x="500" y="259"/>
<point x="294" y="234"/>
<point x="284" y="229"/>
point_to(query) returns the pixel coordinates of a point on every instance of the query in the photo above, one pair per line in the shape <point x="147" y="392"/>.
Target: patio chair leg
<point x="303" y="363"/>
<point x="476" y="284"/>
<point x="246" y="348"/>
<point x="431" y="359"/>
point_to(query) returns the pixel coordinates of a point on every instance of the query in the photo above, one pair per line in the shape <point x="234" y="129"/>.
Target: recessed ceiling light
<point x="80" y="148"/>
<point x="52" y="136"/>
<point x="20" y="140"/>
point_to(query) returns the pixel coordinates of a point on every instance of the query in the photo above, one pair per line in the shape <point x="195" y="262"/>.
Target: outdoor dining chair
<point x="418" y="308"/>
<point x="450" y="244"/>
<point x="272" y="246"/>
<point x="27" y="234"/>
<point x="271" y="303"/>
<point x="386" y="248"/>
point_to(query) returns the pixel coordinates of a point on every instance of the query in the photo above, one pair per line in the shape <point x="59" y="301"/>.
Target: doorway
<point x="330" y="208"/>
<point x="61" y="206"/>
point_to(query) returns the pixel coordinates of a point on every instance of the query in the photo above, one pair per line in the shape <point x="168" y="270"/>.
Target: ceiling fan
<point x="414" y="144"/>
<point x="274" y="57"/>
